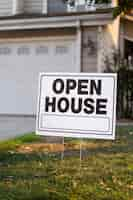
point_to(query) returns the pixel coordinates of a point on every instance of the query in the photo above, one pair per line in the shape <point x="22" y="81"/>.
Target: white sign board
<point x="80" y="105"/>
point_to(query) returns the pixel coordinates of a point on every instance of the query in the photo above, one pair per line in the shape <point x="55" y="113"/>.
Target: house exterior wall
<point x="96" y="43"/>
<point x="18" y="6"/>
<point x="87" y="40"/>
<point x="107" y="49"/>
<point x="56" y="7"/>
<point x="23" y="55"/>
<point x="24" y="68"/>
<point x="79" y="35"/>
<point x="126" y="32"/>
<point x="89" y="49"/>
<point x="108" y="44"/>
<point x="6" y="7"/>
<point x="13" y="7"/>
<point x="33" y="6"/>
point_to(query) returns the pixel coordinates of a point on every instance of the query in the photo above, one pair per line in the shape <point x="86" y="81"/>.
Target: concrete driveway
<point x="11" y="126"/>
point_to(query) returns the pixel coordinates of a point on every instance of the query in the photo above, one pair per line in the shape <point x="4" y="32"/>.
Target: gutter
<point x="56" y="21"/>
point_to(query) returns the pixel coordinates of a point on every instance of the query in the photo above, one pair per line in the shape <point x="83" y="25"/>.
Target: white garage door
<point x="20" y="64"/>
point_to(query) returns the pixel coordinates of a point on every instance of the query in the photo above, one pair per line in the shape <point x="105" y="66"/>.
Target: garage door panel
<point x="20" y="65"/>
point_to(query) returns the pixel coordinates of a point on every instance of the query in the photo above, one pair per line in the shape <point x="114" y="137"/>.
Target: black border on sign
<point x="74" y="75"/>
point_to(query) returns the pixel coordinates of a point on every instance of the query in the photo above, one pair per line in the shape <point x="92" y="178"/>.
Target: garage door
<point x="20" y="64"/>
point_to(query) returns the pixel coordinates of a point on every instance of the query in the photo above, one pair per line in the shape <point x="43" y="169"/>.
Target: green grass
<point x="106" y="172"/>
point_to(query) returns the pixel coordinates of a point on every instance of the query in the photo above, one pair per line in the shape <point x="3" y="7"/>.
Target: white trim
<point x="39" y="26"/>
<point x="99" y="51"/>
<point x="17" y="6"/>
<point x="44" y="7"/>
<point x="121" y="39"/>
<point x="78" y="47"/>
<point x="53" y="22"/>
<point x="60" y="18"/>
<point x="43" y="25"/>
<point x="96" y="23"/>
<point x="14" y="6"/>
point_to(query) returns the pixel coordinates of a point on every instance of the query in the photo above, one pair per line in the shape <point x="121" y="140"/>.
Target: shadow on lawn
<point x="7" y="158"/>
<point x="17" y="174"/>
<point x="122" y="144"/>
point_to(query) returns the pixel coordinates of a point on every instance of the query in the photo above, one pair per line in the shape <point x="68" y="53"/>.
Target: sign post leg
<point x="62" y="152"/>
<point x="80" y="153"/>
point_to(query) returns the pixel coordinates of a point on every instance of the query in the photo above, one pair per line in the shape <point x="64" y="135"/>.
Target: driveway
<point x="11" y="126"/>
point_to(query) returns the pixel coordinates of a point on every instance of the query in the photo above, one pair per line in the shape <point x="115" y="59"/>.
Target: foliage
<point x="103" y="1"/>
<point x="125" y="93"/>
<point x="123" y="7"/>
<point x="97" y="1"/>
<point x="124" y="70"/>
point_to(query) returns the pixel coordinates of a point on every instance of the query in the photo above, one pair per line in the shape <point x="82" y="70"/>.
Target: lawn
<point x="30" y="169"/>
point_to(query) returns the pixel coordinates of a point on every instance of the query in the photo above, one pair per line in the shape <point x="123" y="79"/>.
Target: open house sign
<point x="77" y="105"/>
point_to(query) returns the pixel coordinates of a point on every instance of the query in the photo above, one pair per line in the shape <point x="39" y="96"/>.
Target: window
<point x="41" y="50"/>
<point x="24" y="50"/>
<point x="5" y="51"/>
<point x="61" y="50"/>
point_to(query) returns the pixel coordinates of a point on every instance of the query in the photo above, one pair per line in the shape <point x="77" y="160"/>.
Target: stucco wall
<point x="89" y="49"/>
<point x="99" y="44"/>
<point x="108" y="37"/>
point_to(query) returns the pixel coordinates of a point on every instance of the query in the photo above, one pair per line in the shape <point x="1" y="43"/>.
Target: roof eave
<point x="41" y="22"/>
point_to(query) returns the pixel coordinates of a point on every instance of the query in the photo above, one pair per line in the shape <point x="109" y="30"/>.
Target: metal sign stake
<point x="80" y="153"/>
<point x="62" y="152"/>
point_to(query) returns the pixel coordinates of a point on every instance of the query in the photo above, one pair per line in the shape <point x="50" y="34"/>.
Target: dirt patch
<point x="46" y="147"/>
<point x="29" y="148"/>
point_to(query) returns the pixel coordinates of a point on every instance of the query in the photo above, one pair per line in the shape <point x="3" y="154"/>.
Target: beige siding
<point x="89" y="49"/>
<point x="12" y="7"/>
<point x="5" y="7"/>
<point x="19" y="7"/>
<point x="35" y="6"/>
